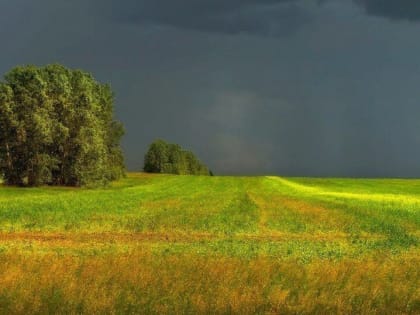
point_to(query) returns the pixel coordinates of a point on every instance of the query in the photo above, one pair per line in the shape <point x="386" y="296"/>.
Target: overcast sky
<point x="288" y="87"/>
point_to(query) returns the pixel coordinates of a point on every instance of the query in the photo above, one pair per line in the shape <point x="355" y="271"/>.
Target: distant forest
<point x="163" y="157"/>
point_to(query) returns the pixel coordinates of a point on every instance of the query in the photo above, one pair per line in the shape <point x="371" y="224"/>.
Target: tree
<point x="163" y="157"/>
<point x="10" y="136"/>
<point x="156" y="158"/>
<point x="57" y="127"/>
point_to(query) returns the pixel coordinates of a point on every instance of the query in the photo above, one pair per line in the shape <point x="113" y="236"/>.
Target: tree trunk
<point x="9" y="159"/>
<point x="12" y="177"/>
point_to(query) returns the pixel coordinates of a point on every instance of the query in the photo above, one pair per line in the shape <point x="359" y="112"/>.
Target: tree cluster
<point x="163" y="157"/>
<point x="57" y="127"/>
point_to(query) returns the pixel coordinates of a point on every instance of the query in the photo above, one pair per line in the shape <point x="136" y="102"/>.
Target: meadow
<point x="165" y="244"/>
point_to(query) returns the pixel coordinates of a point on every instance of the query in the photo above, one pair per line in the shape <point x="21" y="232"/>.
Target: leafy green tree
<point x="10" y="136"/>
<point x="32" y="111"/>
<point x="57" y="127"/>
<point x="156" y="159"/>
<point x="163" y="157"/>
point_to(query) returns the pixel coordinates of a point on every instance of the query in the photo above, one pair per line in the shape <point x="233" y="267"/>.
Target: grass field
<point x="161" y="244"/>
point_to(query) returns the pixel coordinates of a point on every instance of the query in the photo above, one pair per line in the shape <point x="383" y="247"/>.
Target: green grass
<point x="290" y="245"/>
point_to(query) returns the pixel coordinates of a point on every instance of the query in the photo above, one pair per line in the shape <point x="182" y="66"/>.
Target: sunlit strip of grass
<point x="403" y="199"/>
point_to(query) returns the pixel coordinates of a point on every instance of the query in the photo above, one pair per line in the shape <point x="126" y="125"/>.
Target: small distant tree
<point x="163" y="157"/>
<point x="156" y="159"/>
<point x="57" y="127"/>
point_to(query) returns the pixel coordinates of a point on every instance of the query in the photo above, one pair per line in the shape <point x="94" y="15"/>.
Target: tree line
<point x="57" y="127"/>
<point x="163" y="157"/>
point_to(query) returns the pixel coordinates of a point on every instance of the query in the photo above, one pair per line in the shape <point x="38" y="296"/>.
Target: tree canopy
<point x="163" y="157"/>
<point x="57" y="127"/>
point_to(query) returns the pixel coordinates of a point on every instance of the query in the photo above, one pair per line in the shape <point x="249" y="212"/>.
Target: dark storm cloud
<point x="262" y="17"/>
<point x="337" y="96"/>
<point x="392" y="9"/>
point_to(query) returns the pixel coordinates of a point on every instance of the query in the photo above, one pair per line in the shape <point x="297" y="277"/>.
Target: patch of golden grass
<point x="190" y="283"/>
<point x="318" y="236"/>
<point x="105" y="237"/>
<point x="54" y="239"/>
